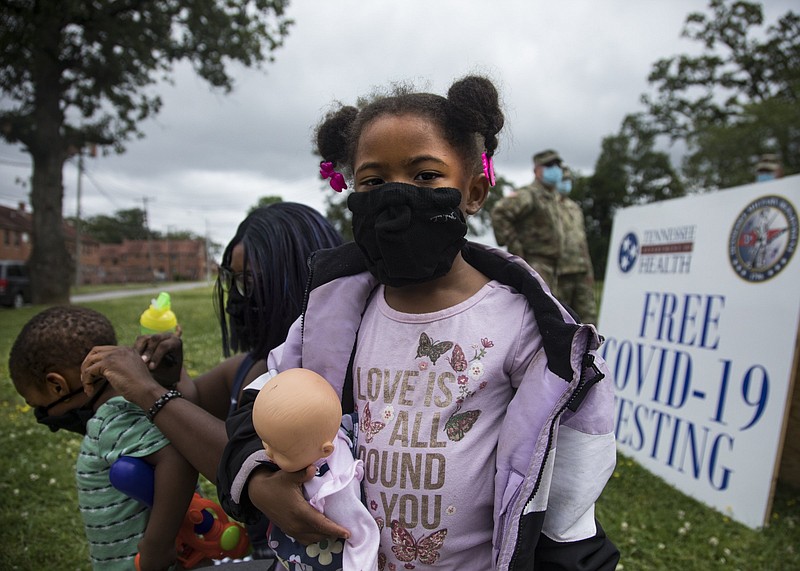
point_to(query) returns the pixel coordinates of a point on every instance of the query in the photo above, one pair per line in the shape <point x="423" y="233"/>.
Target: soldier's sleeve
<point x="506" y="216"/>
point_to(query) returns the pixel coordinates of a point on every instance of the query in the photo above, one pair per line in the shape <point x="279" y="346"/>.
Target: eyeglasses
<point x="244" y="281"/>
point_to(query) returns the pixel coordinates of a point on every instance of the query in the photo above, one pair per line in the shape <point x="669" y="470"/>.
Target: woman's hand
<point x="124" y="368"/>
<point x="163" y="354"/>
<point x="279" y="495"/>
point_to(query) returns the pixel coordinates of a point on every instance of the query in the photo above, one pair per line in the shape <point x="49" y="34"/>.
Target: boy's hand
<point x="156" y="557"/>
<point x="163" y="354"/>
<point x="279" y="495"/>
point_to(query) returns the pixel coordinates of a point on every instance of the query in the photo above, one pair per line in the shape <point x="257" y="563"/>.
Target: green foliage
<point x="655" y="526"/>
<point x="75" y="76"/>
<point x="264" y="201"/>
<point x="122" y="225"/>
<point x="734" y="101"/>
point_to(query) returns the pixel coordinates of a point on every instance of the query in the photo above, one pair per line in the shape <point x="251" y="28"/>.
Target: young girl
<point x="485" y="414"/>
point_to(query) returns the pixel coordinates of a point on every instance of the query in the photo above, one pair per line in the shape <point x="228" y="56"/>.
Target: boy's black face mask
<point x="408" y="234"/>
<point x="73" y="420"/>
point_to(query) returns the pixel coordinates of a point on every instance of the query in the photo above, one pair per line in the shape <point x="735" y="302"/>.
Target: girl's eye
<point x="374" y="181"/>
<point x="428" y="175"/>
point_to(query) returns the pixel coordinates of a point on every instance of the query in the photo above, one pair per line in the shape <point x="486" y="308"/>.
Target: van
<point x="15" y="284"/>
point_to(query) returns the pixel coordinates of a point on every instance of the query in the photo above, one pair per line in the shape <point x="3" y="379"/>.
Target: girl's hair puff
<point x="469" y="118"/>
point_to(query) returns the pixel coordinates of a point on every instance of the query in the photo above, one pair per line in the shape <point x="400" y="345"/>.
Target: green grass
<point x="654" y="526"/>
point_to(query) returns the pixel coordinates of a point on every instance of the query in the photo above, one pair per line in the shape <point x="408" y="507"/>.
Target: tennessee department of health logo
<point x="763" y="238"/>
<point x="628" y="252"/>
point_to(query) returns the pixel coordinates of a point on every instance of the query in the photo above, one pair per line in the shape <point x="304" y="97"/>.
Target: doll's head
<point x="297" y="415"/>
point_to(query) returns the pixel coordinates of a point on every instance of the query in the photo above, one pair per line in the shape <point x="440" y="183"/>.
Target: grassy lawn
<point x="655" y="526"/>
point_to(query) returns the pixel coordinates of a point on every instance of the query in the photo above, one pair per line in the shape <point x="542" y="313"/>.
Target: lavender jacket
<point x="556" y="448"/>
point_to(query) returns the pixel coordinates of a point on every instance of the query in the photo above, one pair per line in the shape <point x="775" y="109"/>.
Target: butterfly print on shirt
<point x="432" y="349"/>
<point x="457" y="359"/>
<point x="367" y="427"/>
<point x="406" y="548"/>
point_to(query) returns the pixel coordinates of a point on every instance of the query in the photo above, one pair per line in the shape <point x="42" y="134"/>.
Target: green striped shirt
<point x="114" y="522"/>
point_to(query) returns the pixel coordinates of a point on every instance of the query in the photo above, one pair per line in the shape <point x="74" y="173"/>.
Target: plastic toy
<point x="206" y="531"/>
<point x="158" y="317"/>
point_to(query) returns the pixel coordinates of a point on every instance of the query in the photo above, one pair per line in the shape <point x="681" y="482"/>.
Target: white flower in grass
<point x="34" y="477"/>
<point x="624" y="526"/>
<point x="52" y="482"/>
<point x="16" y="491"/>
<point x="662" y="546"/>
<point x="713" y="541"/>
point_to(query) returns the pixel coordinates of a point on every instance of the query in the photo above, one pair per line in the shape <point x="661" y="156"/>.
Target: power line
<point x="13" y="163"/>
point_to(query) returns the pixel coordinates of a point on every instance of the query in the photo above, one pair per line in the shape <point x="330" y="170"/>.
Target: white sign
<point x="700" y="314"/>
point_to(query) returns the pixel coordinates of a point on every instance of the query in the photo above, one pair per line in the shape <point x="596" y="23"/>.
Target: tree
<point x="264" y="201"/>
<point x="736" y="100"/>
<point x="74" y="75"/>
<point x="628" y="171"/>
<point x="123" y="225"/>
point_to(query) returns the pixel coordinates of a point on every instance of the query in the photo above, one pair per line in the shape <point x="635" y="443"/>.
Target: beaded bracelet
<point x="159" y="404"/>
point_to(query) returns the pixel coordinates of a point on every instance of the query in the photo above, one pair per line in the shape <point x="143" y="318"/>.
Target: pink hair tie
<point x="337" y="179"/>
<point x="488" y="168"/>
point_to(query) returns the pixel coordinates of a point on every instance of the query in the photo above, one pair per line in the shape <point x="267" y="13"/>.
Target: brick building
<point x="149" y="260"/>
<point x="133" y="261"/>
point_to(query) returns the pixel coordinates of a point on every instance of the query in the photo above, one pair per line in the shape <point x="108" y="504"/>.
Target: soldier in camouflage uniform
<point x="528" y="222"/>
<point x="575" y="276"/>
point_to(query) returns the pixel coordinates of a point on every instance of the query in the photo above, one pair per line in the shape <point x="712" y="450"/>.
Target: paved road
<point x="129" y="292"/>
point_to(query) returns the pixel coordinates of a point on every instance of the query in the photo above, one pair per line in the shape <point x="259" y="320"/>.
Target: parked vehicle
<point x="15" y="283"/>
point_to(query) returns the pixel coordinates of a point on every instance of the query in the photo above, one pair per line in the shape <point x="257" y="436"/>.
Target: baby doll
<point x="297" y="416"/>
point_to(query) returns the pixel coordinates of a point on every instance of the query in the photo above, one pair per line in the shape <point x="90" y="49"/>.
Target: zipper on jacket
<point x="573" y="403"/>
<point x="590" y="376"/>
<point x="306" y="294"/>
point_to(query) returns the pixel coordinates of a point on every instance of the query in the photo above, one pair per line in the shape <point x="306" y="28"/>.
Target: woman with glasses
<point x="258" y="295"/>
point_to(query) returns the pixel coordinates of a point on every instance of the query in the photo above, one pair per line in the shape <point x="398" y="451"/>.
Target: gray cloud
<point x="568" y="73"/>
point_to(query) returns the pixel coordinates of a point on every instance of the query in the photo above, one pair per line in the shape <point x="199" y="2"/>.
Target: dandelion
<point x="727" y="552"/>
<point x="662" y="546"/>
<point x="624" y="526"/>
<point x="682" y="531"/>
<point x="52" y="481"/>
<point x="713" y="541"/>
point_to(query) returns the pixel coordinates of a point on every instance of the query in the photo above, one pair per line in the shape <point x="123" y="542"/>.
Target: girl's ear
<point x="478" y="191"/>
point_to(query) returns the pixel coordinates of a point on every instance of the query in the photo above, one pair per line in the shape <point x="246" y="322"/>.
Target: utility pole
<point x="145" y="200"/>
<point x="78" y="276"/>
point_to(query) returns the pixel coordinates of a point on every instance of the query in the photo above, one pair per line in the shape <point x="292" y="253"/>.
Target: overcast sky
<point x="567" y="71"/>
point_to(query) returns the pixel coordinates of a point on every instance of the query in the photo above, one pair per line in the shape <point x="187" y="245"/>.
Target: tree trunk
<point x="50" y="263"/>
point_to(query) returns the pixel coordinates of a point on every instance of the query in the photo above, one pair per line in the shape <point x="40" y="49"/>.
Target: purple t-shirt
<point x="431" y="391"/>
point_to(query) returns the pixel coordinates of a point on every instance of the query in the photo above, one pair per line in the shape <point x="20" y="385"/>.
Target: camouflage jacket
<point x="528" y="223"/>
<point x="574" y="247"/>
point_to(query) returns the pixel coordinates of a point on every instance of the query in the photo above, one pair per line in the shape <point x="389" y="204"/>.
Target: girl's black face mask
<point x="408" y="234"/>
<point x="74" y="420"/>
